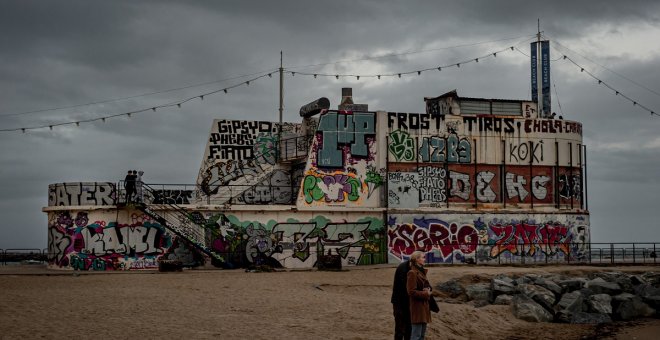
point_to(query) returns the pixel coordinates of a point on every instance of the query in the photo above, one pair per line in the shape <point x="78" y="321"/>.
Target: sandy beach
<point x="234" y="304"/>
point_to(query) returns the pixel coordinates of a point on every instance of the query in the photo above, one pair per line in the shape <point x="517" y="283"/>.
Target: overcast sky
<point x="64" y="53"/>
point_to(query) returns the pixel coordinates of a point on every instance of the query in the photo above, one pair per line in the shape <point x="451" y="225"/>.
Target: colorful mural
<point x="90" y="241"/>
<point x="488" y="238"/>
<point x="296" y="243"/>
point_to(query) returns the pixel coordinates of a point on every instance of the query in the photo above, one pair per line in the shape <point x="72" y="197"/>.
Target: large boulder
<point x="649" y="294"/>
<point x="646" y="290"/>
<point x="637" y="280"/>
<point x="625" y="283"/>
<point x="503" y="299"/>
<point x="570" y="301"/>
<point x="570" y="285"/>
<point x="539" y="294"/>
<point x="633" y="308"/>
<point x="600" y="286"/>
<point x="525" y="308"/>
<point x="590" y="318"/>
<point x="527" y="279"/>
<point x="451" y="288"/>
<point x="479" y="291"/>
<point x="652" y="278"/>
<point x="569" y="304"/>
<point x="549" y="285"/>
<point x="600" y="303"/>
<point x="502" y="287"/>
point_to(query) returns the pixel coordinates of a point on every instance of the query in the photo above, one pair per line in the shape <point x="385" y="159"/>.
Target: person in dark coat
<point x="400" y="302"/>
<point x="419" y="294"/>
<point x="129" y="185"/>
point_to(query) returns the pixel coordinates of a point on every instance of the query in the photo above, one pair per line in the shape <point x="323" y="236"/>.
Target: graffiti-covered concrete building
<point x="469" y="180"/>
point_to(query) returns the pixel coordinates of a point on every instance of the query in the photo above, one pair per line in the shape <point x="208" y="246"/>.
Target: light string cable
<point x="130" y="97"/>
<point x="603" y="67"/>
<point x="177" y="103"/>
<point x="407" y="53"/>
<point x="616" y="92"/>
<point x="399" y="74"/>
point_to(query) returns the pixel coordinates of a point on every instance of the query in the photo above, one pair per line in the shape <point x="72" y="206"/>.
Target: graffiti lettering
<point x="333" y="187"/>
<point x="432" y="184"/>
<point x="402" y="146"/>
<point x="344" y="129"/>
<point x="513" y="238"/>
<point x="172" y="196"/>
<point x="84" y="193"/>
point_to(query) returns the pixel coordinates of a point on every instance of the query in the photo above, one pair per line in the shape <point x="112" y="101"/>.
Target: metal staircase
<point x="177" y="220"/>
<point x="180" y="222"/>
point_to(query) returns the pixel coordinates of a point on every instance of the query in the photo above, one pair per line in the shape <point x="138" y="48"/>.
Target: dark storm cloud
<point x="65" y="53"/>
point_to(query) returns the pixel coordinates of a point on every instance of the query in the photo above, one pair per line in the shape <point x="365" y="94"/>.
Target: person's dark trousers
<point x="402" y="326"/>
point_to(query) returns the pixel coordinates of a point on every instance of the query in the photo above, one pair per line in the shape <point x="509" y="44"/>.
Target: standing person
<point x="419" y="292"/>
<point x="401" y="303"/>
<point x="138" y="185"/>
<point x="129" y="186"/>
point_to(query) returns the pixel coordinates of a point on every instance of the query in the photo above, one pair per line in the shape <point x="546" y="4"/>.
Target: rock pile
<point x="597" y="298"/>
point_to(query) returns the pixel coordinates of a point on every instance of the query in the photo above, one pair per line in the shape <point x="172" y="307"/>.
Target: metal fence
<point x="630" y="253"/>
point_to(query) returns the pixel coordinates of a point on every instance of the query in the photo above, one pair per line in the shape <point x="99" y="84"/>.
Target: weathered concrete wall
<point x="296" y="239"/>
<point x="110" y="239"/>
<point x="344" y="168"/>
<point x="488" y="238"/>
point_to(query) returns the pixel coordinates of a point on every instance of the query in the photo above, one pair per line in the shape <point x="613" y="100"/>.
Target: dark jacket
<point x="399" y="290"/>
<point x="419" y="300"/>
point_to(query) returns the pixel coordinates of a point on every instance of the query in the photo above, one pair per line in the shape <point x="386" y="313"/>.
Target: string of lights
<point x="177" y="103"/>
<point x="130" y="97"/>
<point x="399" y="74"/>
<point x="605" y="68"/>
<point x="616" y="92"/>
